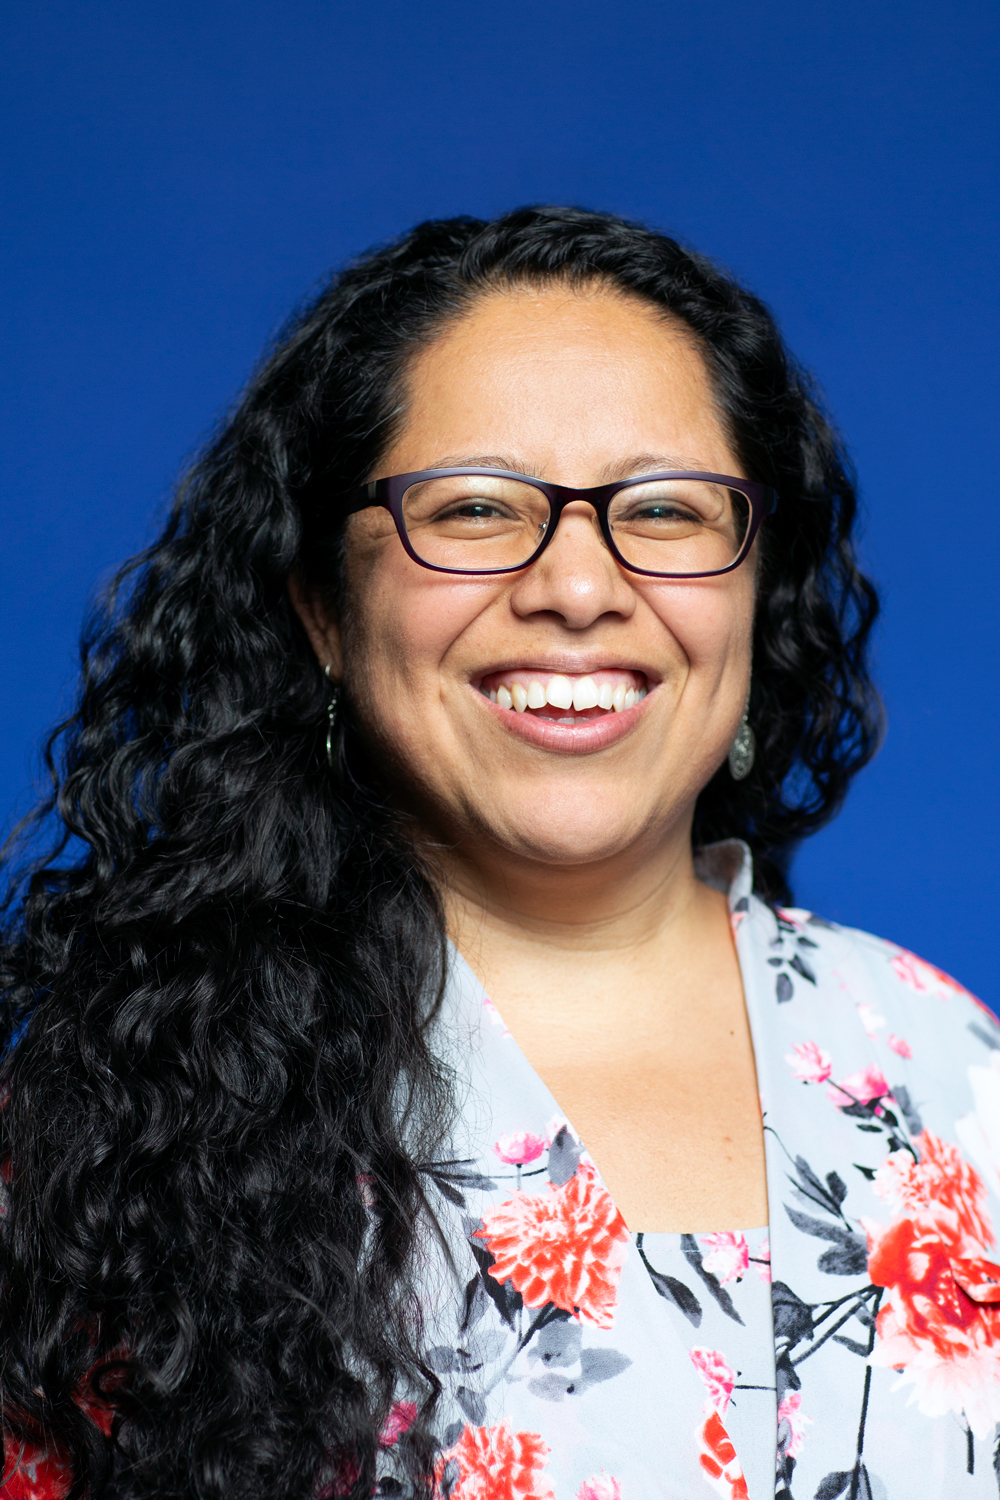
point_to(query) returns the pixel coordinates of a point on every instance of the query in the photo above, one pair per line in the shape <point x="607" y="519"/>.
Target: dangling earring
<point x="742" y="750"/>
<point x="331" y="715"/>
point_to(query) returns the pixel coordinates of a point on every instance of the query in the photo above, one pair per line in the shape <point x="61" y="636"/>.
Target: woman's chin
<point x="573" y="836"/>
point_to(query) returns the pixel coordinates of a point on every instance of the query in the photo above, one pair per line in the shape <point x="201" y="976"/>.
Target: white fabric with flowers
<point x="852" y="1348"/>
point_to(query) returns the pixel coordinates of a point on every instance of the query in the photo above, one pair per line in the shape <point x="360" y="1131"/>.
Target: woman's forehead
<point x="535" y="375"/>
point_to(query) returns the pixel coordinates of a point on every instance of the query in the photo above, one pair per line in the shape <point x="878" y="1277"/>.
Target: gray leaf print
<point x="564" y="1158"/>
<point x="471" y="1403"/>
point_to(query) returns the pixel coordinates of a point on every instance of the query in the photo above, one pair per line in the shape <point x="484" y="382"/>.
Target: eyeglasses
<point x="669" y="525"/>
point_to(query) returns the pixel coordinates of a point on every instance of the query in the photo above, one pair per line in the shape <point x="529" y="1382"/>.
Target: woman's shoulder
<point x="858" y="961"/>
<point x="863" y="994"/>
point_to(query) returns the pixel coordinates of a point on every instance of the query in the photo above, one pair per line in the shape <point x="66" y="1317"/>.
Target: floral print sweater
<point x="851" y="1348"/>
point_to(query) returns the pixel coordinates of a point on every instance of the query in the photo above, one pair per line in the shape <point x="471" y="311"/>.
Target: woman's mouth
<point x="561" y="698"/>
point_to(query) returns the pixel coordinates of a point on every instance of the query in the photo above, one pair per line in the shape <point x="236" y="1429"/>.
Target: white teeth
<point x="559" y="693"/>
<point x="584" y="694"/>
<point x="578" y="694"/>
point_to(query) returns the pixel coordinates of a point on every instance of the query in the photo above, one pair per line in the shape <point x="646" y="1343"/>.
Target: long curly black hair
<point x="220" y="1099"/>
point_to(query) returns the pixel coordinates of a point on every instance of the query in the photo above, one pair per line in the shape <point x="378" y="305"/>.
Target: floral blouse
<point x="849" y="1349"/>
<point x="582" y="1362"/>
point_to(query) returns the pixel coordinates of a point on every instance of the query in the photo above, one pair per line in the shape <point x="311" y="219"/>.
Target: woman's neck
<point x="622" y="988"/>
<point x="580" y="935"/>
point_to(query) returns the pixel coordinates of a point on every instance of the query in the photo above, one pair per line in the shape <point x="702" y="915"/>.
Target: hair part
<point x="223" y="1099"/>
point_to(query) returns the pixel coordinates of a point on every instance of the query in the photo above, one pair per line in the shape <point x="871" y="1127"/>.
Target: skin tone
<point x="565" y="851"/>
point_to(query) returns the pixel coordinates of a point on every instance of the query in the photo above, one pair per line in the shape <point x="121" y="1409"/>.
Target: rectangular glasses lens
<point x="472" y="523"/>
<point x="679" y="525"/>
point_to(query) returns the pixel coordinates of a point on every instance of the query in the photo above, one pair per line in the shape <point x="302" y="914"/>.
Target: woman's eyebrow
<point x="486" y="461"/>
<point x="623" y="468"/>
<point x="649" y="463"/>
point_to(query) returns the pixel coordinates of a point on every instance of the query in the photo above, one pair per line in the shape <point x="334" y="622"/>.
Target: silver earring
<point x="742" y="750"/>
<point x="331" y="715"/>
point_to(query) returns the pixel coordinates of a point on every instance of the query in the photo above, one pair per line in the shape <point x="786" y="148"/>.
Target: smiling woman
<point x="496" y="656"/>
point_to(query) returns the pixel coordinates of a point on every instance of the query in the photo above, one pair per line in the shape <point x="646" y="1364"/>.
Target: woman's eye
<point x="660" y="511"/>
<point x="473" y="510"/>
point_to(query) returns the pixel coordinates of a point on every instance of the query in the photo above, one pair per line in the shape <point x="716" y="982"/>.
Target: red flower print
<point x="39" y="1471"/>
<point x="566" y="1246"/>
<point x="728" y="1254"/>
<point x="860" y="1088"/>
<point x="494" y="1463"/>
<point x="34" y="1472"/>
<point x="943" y="1343"/>
<point x="718" y="1456"/>
<point x="719" y="1461"/>
<point x="809" y="1062"/>
<point x="599" y="1487"/>
<point x="940" y="1189"/>
<point x="520" y="1148"/>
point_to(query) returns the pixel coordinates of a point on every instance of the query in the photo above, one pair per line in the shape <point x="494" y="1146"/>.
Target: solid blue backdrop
<point x="180" y="175"/>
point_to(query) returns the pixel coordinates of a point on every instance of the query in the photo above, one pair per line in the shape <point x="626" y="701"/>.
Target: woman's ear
<point x="321" y="625"/>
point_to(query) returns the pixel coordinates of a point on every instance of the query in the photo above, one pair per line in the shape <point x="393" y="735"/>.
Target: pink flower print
<point x="795" y="916"/>
<point x="565" y="1245"/>
<point x="910" y="969"/>
<point x="871" y="1020"/>
<point x="599" y="1487"/>
<point x="728" y="1255"/>
<point x="496" y="1019"/>
<point x="809" y="1062"/>
<point x="898" y="1045"/>
<point x="789" y="1411"/>
<point x="762" y="1261"/>
<point x="719" y="1377"/>
<point x="735" y="918"/>
<point x="402" y="1416"/>
<point x="920" y="975"/>
<point x="520" y="1148"/>
<point x="860" y="1088"/>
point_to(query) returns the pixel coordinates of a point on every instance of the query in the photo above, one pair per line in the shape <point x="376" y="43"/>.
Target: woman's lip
<point x="566" y="739"/>
<point x="568" y="669"/>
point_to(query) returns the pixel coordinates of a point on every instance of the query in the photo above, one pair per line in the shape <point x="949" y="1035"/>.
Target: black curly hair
<point x="222" y="1101"/>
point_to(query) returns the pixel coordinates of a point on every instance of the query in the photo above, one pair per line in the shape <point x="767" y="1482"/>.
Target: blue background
<point x="179" y="175"/>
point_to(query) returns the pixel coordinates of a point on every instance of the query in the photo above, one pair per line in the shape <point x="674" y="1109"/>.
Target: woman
<point x="504" y="644"/>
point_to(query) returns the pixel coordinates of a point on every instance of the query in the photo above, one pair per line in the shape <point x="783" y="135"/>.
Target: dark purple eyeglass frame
<point x="389" y="493"/>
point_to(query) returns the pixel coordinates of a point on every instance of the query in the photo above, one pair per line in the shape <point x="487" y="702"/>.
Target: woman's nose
<point x="576" y="576"/>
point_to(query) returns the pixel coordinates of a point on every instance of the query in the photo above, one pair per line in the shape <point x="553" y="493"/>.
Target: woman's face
<point x="579" y="388"/>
